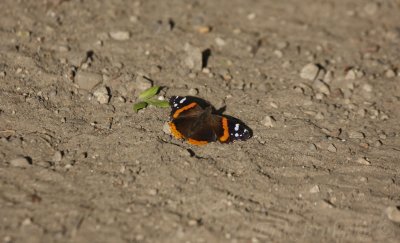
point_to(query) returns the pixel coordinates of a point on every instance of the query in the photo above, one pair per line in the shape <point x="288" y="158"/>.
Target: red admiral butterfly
<point x="194" y="119"/>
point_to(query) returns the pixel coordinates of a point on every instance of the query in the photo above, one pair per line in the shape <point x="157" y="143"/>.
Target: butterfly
<point x="194" y="120"/>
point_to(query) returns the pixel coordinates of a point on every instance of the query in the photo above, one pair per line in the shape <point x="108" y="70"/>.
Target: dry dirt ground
<point x="316" y="80"/>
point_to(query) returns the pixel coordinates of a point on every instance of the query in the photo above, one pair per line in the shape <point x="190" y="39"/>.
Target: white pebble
<point x="367" y="87"/>
<point x="371" y="8"/>
<point x="314" y="189"/>
<point x="393" y="213"/>
<point x="102" y="95"/>
<point x="20" y="161"/>
<point x="269" y="121"/>
<point x="322" y="87"/>
<point x="278" y="53"/>
<point x="356" y="135"/>
<point x="390" y="73"/>
<point x="309" y="71"/>
<point x="193" y="91"/>
<point x="194" y="57"/>
<point x="166" y="129"/>
<point x="57" y="157"/>
<point x="120" y="35"/>
<point x="220" y="42"/>
<point x="363" y="161"/>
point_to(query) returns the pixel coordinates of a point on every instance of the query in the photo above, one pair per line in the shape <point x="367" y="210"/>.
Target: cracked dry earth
<point x="317" y="81"/>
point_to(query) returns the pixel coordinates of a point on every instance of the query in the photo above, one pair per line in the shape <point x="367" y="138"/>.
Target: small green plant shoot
<point x="146" y="98"/>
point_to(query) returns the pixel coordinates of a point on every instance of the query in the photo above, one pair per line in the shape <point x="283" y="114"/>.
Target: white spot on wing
<point x="236" y="135"/>
<point x="182" y="100"/>
<point x="237" y="127"/>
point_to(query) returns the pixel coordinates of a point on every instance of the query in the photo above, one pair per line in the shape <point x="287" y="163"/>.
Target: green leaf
<point x="140" y="105"/>
<point x="158" y="103"/>
<point x="148" y="93"/>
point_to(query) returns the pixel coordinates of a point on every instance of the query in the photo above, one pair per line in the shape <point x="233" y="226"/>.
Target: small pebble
<point x="312" y="147"/>
<point x="57" y="157"/>
<point x="21" y="161"/>
<point x="363" y="161"/>
<point x="371" y="8"/>
<point x="282" y="45"/>
<point x="367" y="87"/>
<point x="324" y="204"/>
<point x="251" y="16"/>
<point x="269" y="121"/>
<point x="102" y="95"/>
<point x="350" y="75"/>
<point x="309" y="71"/>
<point x="364" y="145"/>
<point x="278" y="53"/>
<point x="353" y="74"/>
<point x="194" y="57"/>
<point x="393" y="214"/>
<point x="120" y="35"/>
<point x="329" y="75"/>
<point x="155" y="69"/>
<point x="166" y="128"/>
<point x="152" y="192"/>
<point x="193" y="91"/>
<point x="2" y="74"/>
<point x="203" y="29"/>
<point x="319" y="96"/>
<point x="319" y="116"/>
<point x="286" y="64"/>
<point x="356" y="135"/>
<point x="378" y="143"/>
<point x="220" y="42"/>
<point x="332" y="148"/>
<point x="192" y="222"/>
<point x="87" y="80"/>
<point x="314" y="189"/>
<point x="390" y="73"/>
<point x="322" y="87"/>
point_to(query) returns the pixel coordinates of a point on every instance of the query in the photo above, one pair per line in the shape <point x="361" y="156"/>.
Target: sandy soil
<point x="317" y="81"/>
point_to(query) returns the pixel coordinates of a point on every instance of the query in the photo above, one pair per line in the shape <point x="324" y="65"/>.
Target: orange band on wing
<point x="174" y="131"/>
<point x="225" y="136"/>
<point x="187" y="107"/>
<point x="196" y="142"/>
